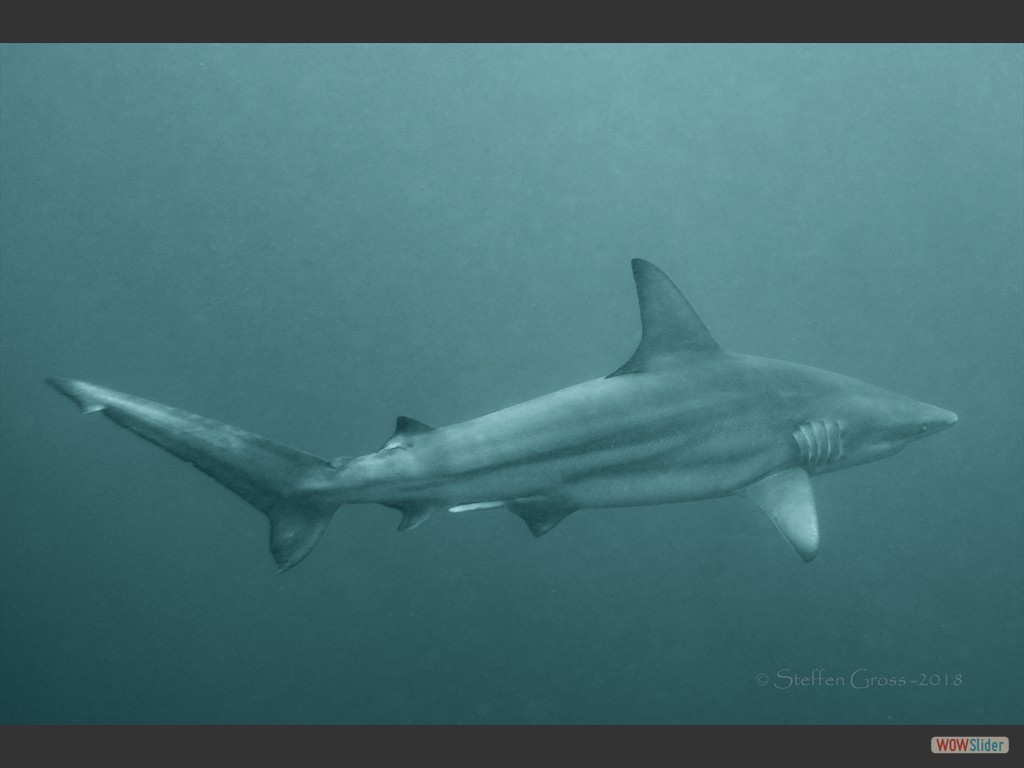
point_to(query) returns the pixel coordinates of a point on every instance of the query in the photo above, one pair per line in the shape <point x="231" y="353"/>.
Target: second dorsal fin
<point x="406" y="426"/>
<point x="405" y="429"/>
<point x="670" y="327"/>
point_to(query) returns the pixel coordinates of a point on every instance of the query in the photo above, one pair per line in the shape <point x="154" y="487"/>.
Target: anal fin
<point x="414" y="516"/>
<point x="787" y="498"/>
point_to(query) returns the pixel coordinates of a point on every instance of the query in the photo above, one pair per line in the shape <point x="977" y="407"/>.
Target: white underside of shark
<point x="682" y="420"/>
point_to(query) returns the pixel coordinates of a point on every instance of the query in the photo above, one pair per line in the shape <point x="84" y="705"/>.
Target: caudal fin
<point x="297" y="491"/>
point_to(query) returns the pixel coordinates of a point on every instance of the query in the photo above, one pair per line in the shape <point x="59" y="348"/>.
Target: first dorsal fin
<point x="669" y="325"/>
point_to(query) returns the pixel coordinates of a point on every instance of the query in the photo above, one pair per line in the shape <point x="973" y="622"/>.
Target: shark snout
<point x="936" y="419"/>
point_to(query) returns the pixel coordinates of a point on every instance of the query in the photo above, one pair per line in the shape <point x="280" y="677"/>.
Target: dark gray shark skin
<point x="682" y="420"/>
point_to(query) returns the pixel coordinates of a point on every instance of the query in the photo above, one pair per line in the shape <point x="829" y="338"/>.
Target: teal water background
<point x="308" y="241"/>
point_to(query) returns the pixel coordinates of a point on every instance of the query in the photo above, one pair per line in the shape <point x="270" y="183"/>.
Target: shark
<point x="681" y="420"/>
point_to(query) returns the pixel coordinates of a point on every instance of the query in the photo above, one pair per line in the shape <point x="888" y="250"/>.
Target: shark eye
<point x="924" y="428"/>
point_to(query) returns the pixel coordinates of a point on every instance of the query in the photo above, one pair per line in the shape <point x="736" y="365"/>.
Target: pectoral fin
<point x="787" y="498"/>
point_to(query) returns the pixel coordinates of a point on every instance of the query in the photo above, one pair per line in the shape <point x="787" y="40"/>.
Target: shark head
<point x="865" y="424"/>
<point x="891" y="422"/>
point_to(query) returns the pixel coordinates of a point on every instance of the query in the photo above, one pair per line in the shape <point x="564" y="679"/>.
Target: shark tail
<point x="297" y="491"/>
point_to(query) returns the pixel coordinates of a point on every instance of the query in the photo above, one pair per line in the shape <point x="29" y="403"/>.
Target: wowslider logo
<point x="977" y="745"/>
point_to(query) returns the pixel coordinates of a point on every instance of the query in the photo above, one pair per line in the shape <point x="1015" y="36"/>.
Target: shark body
<point x="681" y="420"/>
